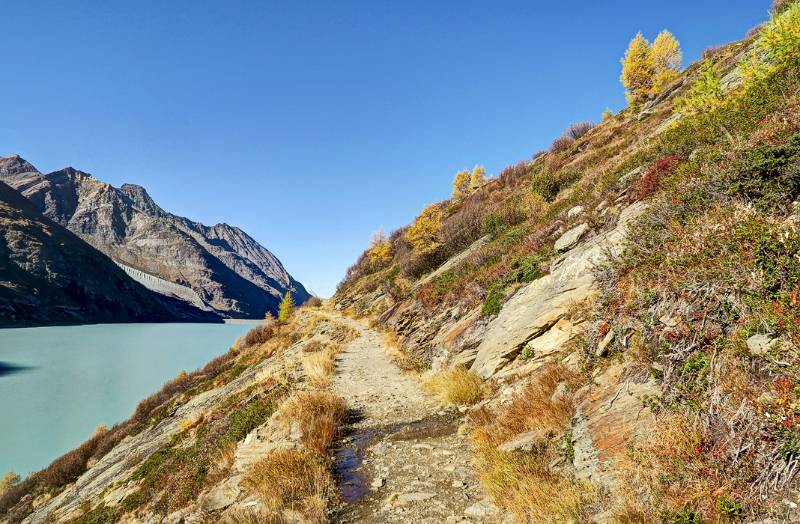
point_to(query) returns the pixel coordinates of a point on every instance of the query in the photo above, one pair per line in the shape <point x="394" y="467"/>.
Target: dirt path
<point x="401" y="458"/>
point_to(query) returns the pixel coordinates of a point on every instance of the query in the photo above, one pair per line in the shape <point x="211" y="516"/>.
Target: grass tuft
<point x="458" y="386"/>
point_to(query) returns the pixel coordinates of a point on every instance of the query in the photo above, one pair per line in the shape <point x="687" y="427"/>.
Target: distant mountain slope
<point x="48" y="275"/>
<point x="230" y="272"/>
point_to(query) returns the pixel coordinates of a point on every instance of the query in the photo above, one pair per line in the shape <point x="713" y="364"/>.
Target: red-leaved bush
<point x="651" y="180"/>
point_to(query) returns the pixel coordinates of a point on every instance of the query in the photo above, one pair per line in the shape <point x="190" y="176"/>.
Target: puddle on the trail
<point x="348" y="458"/>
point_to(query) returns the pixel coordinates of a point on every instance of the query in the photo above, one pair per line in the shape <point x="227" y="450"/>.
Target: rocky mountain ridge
<point x="48" y="275"/>
<point x="231" y="273"/>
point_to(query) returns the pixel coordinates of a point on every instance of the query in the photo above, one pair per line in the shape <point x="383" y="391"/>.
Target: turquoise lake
<point x="58" y="383"/>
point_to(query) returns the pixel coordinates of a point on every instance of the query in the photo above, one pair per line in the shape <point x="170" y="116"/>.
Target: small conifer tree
<point x="667" y="58"/>
<point x="638" y="70"/>
<point x="286" y="308"/>
<point x="7" y="481"/>
<point x="478" y="177"/>
<point x="461" y="184"/>
<point x="706" y="94"/>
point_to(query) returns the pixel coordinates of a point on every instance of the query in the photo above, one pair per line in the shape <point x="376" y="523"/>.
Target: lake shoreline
<point x="60" y="382"/>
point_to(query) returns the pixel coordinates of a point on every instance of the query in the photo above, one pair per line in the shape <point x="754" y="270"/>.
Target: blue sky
<point x="311" y="124"/>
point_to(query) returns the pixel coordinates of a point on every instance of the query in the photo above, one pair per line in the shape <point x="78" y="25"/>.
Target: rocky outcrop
<point x="530" y="315"/>
<point x="50" y="276"/>
<point x="228" y="270"/>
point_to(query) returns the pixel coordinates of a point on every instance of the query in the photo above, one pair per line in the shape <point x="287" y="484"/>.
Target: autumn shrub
<point x="768" y="175"/>
<point x="8" y="481"/>
<point x="651" y="180"/>
<point x="561" y="144"/>
<point x="779" y="6"/>
<point x="514" y="174"/>
<point x="259" y="334"/>
<point x="506" y="214"/>
<point x="459" y="230"/>
<point x="314" y="301"/>
<point x="674" y="474"/>
<point x="578" y="129"/>
<point x="423" y="234"/>
<point x="548" y="184"/>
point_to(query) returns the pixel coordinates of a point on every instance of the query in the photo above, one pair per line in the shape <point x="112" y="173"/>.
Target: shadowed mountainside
<point x="48" y="276"/>
<point x="231" y="273"/>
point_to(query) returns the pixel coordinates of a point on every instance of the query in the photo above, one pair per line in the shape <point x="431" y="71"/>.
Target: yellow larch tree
<point x="286" y="308"/>
<point x="667" y="57"/>
<point x="478" y="177"/>
<point x="423" y="234"/>
<point x="638" y="70"/>
<point x="461" y="184"/>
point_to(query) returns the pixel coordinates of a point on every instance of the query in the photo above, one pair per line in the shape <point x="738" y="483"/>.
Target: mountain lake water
<point x="57" y="384"/>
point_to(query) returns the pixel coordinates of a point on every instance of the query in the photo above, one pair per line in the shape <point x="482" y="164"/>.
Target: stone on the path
<point x="481" y="509"/>
<point x="378" y="483"/>
<point x="569" y="239"/>
<point x="416" y="496"/>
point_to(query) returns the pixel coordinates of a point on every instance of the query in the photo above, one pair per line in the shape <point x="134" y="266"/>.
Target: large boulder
<point x="538" y="307"/>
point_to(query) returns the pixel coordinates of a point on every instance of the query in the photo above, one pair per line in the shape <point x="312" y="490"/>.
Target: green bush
<point x="493" y="302"/>
<point x="769" y="176"/>
<point x="246" y="420"/>
<point x="730" y="508"/>
<point x="99" y="515"/>
<point x="548" y="185"/>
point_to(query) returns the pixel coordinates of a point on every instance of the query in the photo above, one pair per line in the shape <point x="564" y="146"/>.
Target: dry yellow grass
<point x="317" y="414"/>
<point x="667" y="470"/>
<point x="253" y="516"/>
<point x="534" y="408"/>
<point x="320" y="365"/>
<point x="296" y="480"/>
<point x="400" y="357"/>
<point x="522" y="482"/>
<point x="457" y="386"/>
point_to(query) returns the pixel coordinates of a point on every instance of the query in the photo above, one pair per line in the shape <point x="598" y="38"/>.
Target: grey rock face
<point x="50" y="276"/>
<point x="571" y="237"/>
<point x="538" y="307"/>
<point x="231" y="273"/>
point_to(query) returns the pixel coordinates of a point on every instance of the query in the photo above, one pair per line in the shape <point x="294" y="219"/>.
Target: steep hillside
<point x="228" y="271"/>
<point x="629" y="297"/>
<point x="607" y="333"/>
<point x="50" y="276"/>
